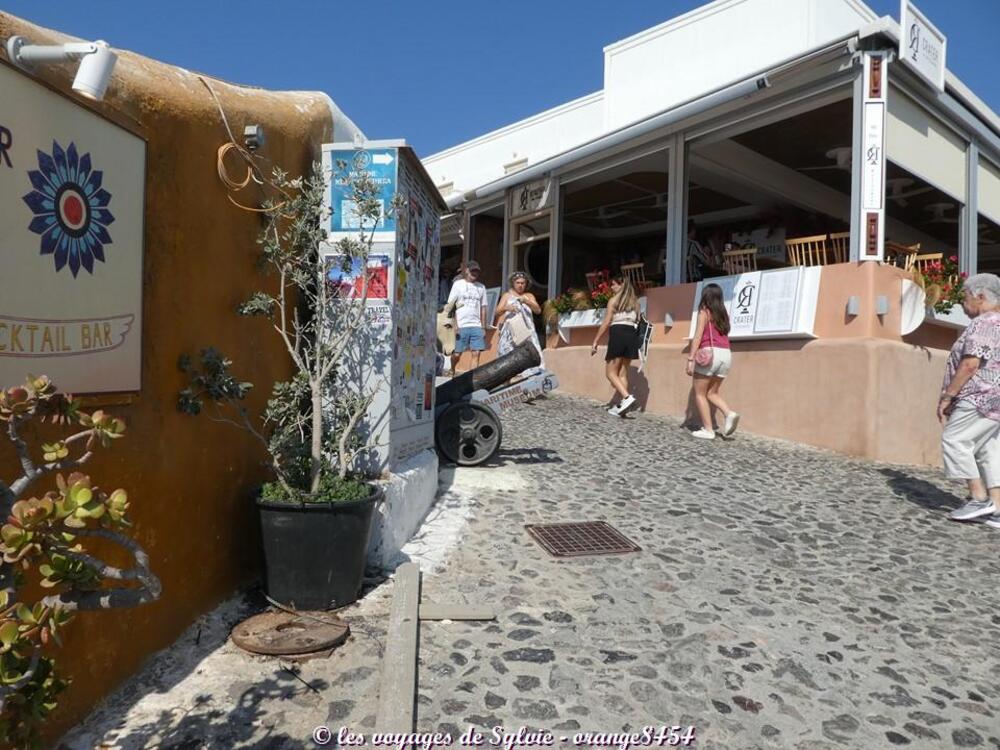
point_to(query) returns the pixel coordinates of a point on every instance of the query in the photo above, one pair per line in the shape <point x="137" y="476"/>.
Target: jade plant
<point x="44" y="542"/>
<point x="310" y="427"/>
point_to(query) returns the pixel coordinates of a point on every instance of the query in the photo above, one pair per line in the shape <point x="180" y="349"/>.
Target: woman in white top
<point x="515" y="315"/>
<point x="621" y="322"/>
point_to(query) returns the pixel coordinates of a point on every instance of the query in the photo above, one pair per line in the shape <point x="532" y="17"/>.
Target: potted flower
<point x="316" y="512"/>
<point x="560" y="305"/>
<point x="943" y="287"/>
<point x="600" y="295"/>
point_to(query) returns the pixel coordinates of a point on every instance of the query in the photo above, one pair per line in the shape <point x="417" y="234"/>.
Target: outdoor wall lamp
<point x="668" y="320"/>
<point x="881" y="305"/>
<point x="853" y="305"/>
<point x="92" y="76"/>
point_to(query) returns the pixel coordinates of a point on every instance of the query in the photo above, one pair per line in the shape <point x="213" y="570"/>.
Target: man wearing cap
<point x="468" y="296"/>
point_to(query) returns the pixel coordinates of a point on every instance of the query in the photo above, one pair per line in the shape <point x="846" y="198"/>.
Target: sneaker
<point x="626" y="404"/>
<point x="973" y="509"/>
<point x="992" y="521"/>
<point x="703" y="434"/>
<point x="614" y="411"/>
<point x="732" y="420"/>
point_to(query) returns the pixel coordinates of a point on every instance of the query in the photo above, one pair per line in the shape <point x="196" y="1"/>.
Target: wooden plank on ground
<point x="430" y="611"/>
<point x="399" y="666"/>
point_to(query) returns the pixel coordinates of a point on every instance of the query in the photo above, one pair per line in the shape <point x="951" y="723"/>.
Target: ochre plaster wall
<point x="858" y="388"/>
<point x="189" y="479"/>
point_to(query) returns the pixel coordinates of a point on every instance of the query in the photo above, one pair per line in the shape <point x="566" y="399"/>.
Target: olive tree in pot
<point x="48" y="545"/>
<point x="316" y="513"/>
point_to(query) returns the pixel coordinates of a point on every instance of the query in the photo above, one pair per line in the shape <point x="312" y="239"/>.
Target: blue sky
<point x="431" y="72"/>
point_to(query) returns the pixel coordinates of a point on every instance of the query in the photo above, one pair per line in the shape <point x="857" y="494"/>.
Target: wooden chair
<point x="840" y="246"/>
<point x="901" y="255"/>
<point x="807" y="251"/>
<point x="636" y="273"/>
<point x="923" y="261"/>
<point x="740" y="261"/>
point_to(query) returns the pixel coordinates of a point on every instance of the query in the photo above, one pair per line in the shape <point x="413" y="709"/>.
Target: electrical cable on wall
<point x="253" y="171"/>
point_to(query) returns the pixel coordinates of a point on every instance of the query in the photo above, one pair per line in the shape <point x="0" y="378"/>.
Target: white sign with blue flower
<point x="71" y="239"/>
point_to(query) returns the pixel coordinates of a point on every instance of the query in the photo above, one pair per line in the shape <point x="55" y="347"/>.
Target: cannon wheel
<point x="468" y="434"/>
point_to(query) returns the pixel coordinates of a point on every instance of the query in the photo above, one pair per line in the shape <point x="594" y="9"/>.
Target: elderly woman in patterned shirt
<point x="970" y="403"/>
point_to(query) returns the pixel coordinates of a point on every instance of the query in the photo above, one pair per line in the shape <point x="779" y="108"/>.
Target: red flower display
<point x="947" y="279"/>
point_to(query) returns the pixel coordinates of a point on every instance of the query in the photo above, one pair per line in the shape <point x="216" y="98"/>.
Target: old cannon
<point x="467" y="428"/>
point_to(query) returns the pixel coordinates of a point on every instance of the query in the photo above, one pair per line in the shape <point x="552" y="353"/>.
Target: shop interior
<point x="615" y="218"/>
<point x="793" y="178"/>
<point x="988" y="247"/>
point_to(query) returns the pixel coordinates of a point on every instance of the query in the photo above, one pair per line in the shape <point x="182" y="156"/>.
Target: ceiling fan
<point x="841" y="156"/>
<point x="898" y="190"/>
<point x="937" y="211"/>
<point x="605" y="213"/>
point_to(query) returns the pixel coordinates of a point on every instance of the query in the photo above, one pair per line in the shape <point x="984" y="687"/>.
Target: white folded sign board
<point x="71" y="235"/>
<point x="922" y="47"/>
<point x="778" y="304"/>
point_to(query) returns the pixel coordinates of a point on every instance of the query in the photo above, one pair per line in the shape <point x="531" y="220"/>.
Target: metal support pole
<point x="968" y="234"/>
<point x="555" y="240"/>
<point x="857" y="164"/>
<point x="677" y="191"/>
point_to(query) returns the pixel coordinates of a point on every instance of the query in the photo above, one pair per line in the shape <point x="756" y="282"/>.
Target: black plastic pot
<point x="314" y="553"/>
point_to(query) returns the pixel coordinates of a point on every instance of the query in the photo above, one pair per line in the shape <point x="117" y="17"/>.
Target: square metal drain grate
<point x="577" y="539"/>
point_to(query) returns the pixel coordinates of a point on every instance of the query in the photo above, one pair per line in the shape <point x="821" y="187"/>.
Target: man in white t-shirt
<point x="468" y="296"/>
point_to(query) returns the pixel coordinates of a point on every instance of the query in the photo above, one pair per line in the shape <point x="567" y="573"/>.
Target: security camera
<point x="253" y="137"/>
<point x="96" y="62"/>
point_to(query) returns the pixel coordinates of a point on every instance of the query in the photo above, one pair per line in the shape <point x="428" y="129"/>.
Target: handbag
<point x="520" y="331"/>
<point x="645" y="332"/>
<point x="703" y="357"/>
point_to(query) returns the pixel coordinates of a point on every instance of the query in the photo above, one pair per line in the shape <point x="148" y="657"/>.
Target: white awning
<point x="921" y="144"/>
<point x="989" y="190"/>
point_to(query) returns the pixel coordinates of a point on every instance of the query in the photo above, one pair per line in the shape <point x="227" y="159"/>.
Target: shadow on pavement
<point x="200" y="725"/>
<point x="217" y="728"/>
<point x="919" y="492"/>
<point x="529" y="456"/>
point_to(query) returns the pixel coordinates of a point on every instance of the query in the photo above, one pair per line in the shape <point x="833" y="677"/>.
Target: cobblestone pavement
<point x="784" y="597"/>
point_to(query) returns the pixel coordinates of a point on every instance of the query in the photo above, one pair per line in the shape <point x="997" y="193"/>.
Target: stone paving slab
<point x="784" y="597"/>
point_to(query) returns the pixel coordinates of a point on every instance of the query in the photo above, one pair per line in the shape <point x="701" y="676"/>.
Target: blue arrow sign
<point x="380" y="164"/>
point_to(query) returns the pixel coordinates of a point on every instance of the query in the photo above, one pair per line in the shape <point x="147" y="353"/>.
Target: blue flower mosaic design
<point x="70" y="208"/>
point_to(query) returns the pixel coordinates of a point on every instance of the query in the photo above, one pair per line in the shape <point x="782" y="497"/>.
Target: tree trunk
<point x="316" y="451"/>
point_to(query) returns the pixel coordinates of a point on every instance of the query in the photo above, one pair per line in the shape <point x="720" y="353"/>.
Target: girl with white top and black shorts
<point x="621" y="322"/>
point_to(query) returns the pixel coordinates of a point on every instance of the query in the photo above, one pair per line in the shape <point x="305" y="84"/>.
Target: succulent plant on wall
<point x="44" y="543"/>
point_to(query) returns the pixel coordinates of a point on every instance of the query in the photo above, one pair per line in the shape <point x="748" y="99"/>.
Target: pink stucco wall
<point x="858" y="388"/>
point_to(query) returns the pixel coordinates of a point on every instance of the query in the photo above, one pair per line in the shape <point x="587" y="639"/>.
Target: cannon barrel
<point x="487" y="377"/>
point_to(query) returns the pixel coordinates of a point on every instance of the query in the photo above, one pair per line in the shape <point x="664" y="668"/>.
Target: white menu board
<point x="778" y="297"/>
<point x="775" y="304"/>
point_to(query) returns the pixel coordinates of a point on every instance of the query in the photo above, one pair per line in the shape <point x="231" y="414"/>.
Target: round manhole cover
<point x="283" y="633"/>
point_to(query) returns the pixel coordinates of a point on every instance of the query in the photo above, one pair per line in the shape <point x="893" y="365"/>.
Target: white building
<point x="682" y="130"/>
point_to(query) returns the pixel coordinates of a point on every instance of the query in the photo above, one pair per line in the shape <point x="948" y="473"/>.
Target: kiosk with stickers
<point x="395" y="362"/>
